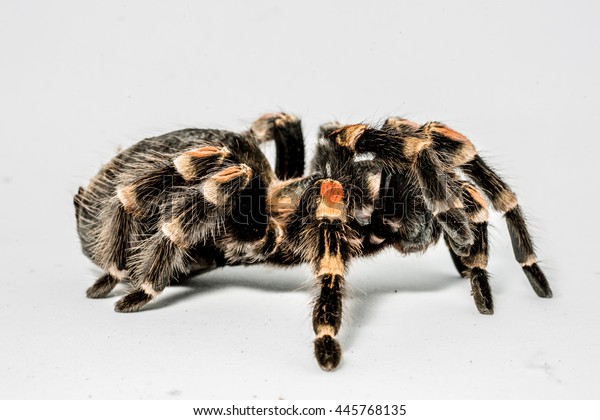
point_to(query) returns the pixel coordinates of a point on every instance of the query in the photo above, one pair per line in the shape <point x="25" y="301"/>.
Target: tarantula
<point x="186" y="202"/>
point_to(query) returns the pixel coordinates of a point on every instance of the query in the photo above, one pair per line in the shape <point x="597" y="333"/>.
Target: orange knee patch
<point x="189" y="162"/>
<point x="232" y="172"/>
<point x="347" y="136"/>
<point x="203" y="152"/>
<point x="448" y="132"/>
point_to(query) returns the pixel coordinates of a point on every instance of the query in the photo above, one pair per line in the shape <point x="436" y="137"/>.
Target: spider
<point x="187" y="202"/>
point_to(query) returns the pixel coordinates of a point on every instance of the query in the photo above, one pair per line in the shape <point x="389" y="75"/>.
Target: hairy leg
<point x="505" y="201"/>
<point x="286" y="131"/>
<point x="405" y="146"/>
<point x="188" y="216"/>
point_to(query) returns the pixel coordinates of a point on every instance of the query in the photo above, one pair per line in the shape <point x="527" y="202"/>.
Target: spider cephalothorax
<point x="187" y="202"/>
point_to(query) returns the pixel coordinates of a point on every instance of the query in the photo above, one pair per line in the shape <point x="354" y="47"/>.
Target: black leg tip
<point x="133" y="302"/>
<point x="538" y="280"/>
<point x="96" y="293"/>
<point x="102" y="287"/>
<point x="486" y="308"/>
<point x="481" y="291"/>
<point x="327" y="352"/>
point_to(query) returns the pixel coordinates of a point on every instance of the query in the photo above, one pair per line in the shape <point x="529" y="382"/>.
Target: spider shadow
<point x="365" y="296"/>
<point x="213" y="281"/>
<point x="365" y="292"/>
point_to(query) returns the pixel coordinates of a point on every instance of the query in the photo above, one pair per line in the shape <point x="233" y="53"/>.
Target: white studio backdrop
<point x="80" y="79"/>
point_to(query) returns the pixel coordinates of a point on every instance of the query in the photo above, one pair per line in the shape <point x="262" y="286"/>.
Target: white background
<point x="79" y="79"/>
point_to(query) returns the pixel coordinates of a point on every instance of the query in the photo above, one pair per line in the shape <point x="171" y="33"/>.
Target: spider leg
<point x="473" y="263"/>
<point x="456" y="226"/>
<point x="477" y="263"/>
<point x="286" y="131"/>
<point x="451" y="147"/>
<point x="404" y="147"/>
<point x="121" y="219"/>
<point x="110" y="249"/>
<point x="102" y="287"/>
<point x="401" y="215"/>
<point x="189" y="216"/>
<point x="436" y="150"/>
<point x="505" y="201"/>
<point x="327" y="319"/>
<point x="455" y="151"/>
<point x="456" y="260"/>
<point x="85" y="207"/>
<point x="318" y="232"/>
<point x="329" y="270"/>
<point x="336" y="243"/>
<point x="400" y="141"/>
<point x="160" y="261"/>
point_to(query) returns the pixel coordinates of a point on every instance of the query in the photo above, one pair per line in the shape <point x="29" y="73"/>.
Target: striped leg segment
<point x="476" y="262"/>
<point x="111" y="248"/>
<point x="473" y="261"/>
<point x="505" y="201"/>
<point x="332" y="254"/>
<point x="327" y="318"/>
<point x="524" y="252"/>
<point x="160" y="260"/>
<point x="135" y="198"/>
